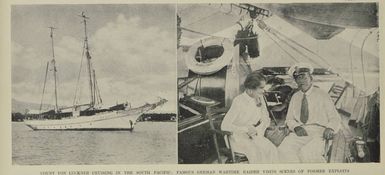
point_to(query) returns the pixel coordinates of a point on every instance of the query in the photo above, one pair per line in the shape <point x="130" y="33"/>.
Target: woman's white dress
<point x="244" y="113"/>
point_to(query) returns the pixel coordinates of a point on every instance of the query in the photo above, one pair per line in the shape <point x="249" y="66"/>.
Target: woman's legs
<point x="268" y="151"/>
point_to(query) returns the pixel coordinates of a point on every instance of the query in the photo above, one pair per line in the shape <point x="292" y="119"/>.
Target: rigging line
<point x="196" y="85"/>
<point x="319" y="57"/>
<point x="323" y="60"/>
<point x="200" y="33"/>
<point x="295" y="49"/>
<point x="203" y="18"/>
<point x="41" y="76"/>
<point x="80" y="70"/>
<point x="45" y="81"/>
<point x="94" y="84"/>
<point x="206" y="17"/>
<point x="362" y="57"/>
<point x="93" y="81"/>
<point x="291" y="56"/>
<point x="179" y="10"/>
<point x="300" y="45"/>
<point x="78" y="100"/>
<point x="57" y="85"/>
<point x="98" y="92"/>
<point x="287" y="52"/>
<point x="351" y="59"/>
<point x="205" y="34"/>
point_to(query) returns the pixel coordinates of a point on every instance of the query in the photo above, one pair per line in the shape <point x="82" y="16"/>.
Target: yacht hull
<point x="112" y="120"/>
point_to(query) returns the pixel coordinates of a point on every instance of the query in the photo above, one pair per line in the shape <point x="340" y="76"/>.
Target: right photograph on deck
<point x="278" y="83"/>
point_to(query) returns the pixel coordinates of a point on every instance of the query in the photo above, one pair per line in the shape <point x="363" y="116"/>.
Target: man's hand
<point x="252" y="131"/>
<point x="328" y="134"/>
<point x="300" y="131"/>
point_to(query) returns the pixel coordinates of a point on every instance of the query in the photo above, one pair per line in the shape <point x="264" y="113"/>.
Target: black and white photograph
<point x="272" y="83"/>
<point x="93" y="84"/>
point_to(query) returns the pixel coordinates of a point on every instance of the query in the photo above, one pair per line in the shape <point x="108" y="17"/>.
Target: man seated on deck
<point x="311" y="117"/>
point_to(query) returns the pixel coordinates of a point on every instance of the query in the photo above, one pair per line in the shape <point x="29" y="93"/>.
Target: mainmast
<point x="54" y="68"/>
<point x="91" y="81"/>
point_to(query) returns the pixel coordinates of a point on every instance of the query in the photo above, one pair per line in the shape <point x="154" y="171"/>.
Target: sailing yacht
<point x="93" y="117"/>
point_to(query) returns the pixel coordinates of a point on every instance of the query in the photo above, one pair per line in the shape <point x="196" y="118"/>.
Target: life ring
<point x="214" y="64"/>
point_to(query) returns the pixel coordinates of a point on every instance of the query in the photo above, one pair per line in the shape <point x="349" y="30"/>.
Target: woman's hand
<point x="328" y="134"/>
<point x="300" y="131"/>
<point x="252" y="131"/>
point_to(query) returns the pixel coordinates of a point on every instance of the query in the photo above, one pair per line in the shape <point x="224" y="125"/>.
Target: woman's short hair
<point x="253" y="80"/>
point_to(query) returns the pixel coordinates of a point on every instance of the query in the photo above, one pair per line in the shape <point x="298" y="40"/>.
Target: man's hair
<point x="253" y="80"/>
<point x="308" y="73"/>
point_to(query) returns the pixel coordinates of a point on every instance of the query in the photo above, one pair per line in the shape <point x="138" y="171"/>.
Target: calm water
<point x="149" y="143"/>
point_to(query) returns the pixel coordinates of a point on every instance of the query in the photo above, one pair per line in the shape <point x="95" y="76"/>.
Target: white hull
<point x="112" y="120"/>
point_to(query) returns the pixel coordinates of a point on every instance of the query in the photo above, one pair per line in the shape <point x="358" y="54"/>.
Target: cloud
<point x="133" y="63"/>
<point x="132" y="49"/>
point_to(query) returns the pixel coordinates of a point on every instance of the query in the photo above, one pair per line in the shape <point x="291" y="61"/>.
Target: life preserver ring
<point x="215" y="64"/>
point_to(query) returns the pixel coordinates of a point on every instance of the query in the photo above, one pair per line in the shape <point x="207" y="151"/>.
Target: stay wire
<point x="276" y="33"/>
<point x="212" y="14"/>
<point x="362" y="57"/>
<point x="290" y="55"/>
<point x="78" y="80"/>
<point x="206" y="34"/>
<point x="319" y="57"/>
<point x="303" y="47"/>
<point x="351" y="59"/>
<point x="295" y="49"/>
<point x="203" y="18"/>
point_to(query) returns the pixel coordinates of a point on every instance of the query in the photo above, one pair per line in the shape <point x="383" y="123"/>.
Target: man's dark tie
<point x="304" y="110"/>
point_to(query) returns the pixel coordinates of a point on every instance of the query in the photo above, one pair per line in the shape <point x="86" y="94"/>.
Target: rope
<point x="291" y="56"/>
<point x="57" y="88"/>
<point x="303" y="47"/>
<point x="196" y="85"/>
<point x="204" y="18"/>
<point x="180" y="10"/>
<point x="45" y="81"/>
<point x="41" y="81"/>
<point x="200" y="33"/>
<point x="351" y="59"/>
<point x="98" y="93"/>
<point x="93" y="83"/>
<point x="81" y="64"/>
<point x="362" y="58"/>
<point x="205" y="34"/>
<point x="295" y="49"/>
<point x="275" y="33"/>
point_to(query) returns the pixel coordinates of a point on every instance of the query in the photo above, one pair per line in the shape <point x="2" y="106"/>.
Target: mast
<point x="54" y="68"/>
<point x="92" y="102"/>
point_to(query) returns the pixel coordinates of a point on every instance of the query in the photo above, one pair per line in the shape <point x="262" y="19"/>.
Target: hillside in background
<point x="21" y="106"/>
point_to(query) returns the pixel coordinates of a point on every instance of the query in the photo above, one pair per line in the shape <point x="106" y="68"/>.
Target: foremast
<point x="54" y="68"/>
<point x="94" y="91"/>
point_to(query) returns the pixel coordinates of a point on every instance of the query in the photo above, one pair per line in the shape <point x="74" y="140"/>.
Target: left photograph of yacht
<point x="93" y="84"/>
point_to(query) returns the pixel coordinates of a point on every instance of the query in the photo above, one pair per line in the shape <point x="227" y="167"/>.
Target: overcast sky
<point x="132" y="48"/>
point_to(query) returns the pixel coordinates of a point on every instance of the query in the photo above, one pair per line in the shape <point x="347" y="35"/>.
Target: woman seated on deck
<point x="248" y="119"/>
